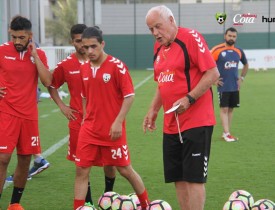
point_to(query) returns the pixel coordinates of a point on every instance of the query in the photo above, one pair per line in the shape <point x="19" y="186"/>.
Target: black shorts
<point x="229" y="99"/>
<point x="187" y="161"/>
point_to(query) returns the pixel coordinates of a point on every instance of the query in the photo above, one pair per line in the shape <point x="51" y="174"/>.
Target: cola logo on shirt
<point x="106" y="77"/>
<point x="166" y="76"/>
<point x="230" y="64"/>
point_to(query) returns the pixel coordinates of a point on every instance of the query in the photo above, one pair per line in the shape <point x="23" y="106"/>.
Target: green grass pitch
<point x="247" y="164"/>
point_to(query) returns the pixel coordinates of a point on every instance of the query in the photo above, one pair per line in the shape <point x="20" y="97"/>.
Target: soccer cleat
<point x="10" y="178"/>
<point x="15" y="206"/>
<point x="39" y="167"/>
<point x="229" y="138"/>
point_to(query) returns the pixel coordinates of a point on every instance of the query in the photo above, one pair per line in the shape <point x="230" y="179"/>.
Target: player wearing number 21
<point x="108" y="95"/>
<point x="21" y="63"/>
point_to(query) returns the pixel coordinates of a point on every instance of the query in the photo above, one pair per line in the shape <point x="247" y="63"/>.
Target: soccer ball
<point x="86" y="208"/>
<point x="263" y="204"/>
<point x="124" y="202"/>
<point x="220" y="20"/>
<point x="159" y="205"/>
<point x="244" y="196"/>
<point x="135" y="199"/>
<point x="106" y="199"/>
<point x="236" y="204"/>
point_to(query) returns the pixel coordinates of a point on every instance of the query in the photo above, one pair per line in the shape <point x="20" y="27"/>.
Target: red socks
<point x="78" y="203"/>
<point x="143" y="199"/>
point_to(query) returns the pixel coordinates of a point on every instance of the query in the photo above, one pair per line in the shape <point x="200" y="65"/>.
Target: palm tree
<point x="64" y="16"/>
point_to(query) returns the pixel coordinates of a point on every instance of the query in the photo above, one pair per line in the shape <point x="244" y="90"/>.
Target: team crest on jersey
<point x="223" y="54"/>
<point x="32" y="59"/>
<point x="106" y="77"/>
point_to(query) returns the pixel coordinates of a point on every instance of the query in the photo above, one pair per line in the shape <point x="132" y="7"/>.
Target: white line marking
<point x="60" y="143"/>
<point x="143" y="81"/>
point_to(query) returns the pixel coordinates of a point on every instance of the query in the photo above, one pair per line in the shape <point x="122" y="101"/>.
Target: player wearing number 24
<point x="108" y="94"/>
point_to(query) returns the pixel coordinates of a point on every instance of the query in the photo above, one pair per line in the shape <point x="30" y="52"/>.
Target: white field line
<point x="60" y="143"/>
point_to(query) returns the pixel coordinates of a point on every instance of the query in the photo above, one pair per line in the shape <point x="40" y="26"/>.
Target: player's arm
<point x="116" y="128"/>
<point x="44" y="74"/>
<point x="208" y="79"/>
<point x="149" y="122"/>
<point x="66" y="110"/>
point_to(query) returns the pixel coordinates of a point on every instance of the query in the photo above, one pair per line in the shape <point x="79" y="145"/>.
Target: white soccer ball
<point x="106" y="199"/>
<point x="244" y="196"/>
<point x="220" y="20"/>
<point x="124" y="202"/>
<point x="159" y="205"/>
<point x="86" y="208"/>
<point x="135" y="199"/>
<point x="235" y="204"/>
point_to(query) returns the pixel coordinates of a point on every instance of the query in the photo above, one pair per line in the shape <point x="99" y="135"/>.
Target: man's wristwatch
<point x="191" y="99"/>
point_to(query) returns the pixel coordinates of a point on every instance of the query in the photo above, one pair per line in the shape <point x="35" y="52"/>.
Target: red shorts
<point x="20" y="133"/>
<point x="72" y="144"/>
<point x="94" y="155"/>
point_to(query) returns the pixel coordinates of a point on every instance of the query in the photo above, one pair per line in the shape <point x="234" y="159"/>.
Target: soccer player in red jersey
<point x="68" y="71"/>
<point x="184" y="71"/>
<point x="108" y="94"/>
<point x="21" y="63"/>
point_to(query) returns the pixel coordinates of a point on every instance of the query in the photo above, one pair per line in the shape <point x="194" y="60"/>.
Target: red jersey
<point x="178" y="68"/>
<point x="69" y="71"/>
<point x="19" y="74"/>
<point x="105" y="88"/>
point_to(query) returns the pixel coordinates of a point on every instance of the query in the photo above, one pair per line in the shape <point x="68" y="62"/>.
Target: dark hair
<point x="93" y="32"/>
<point x="77" y="29"/>
<point x="231" y="29"/>
<point x="19" y="23"/>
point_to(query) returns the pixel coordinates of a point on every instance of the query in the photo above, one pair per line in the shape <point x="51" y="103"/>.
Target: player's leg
<point x="81" y="185"/>
<point x="191" y="196"/>
<point x="189" y="172"/>
<point x="20" y="177"/>
<point x="9" y="132"/>
<point x="71" y="154"/>
<point x="28" y="144"/>
<point x="224" y="119"/>
<point x="4" y="162"/>
<point x="110" y="176"/>
<point x="123" y="165"/>
<point x="39" y="164"/>
<point x="135" y="180"/>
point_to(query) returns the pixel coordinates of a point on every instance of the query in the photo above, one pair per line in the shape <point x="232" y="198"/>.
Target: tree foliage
<point x="64" y="16"/>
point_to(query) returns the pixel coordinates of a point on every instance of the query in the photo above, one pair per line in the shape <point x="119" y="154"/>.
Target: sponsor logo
<point x="86" y="78"/>
<point x="196" y="154"/>
<point x="240" y="19"/>
<point x="230" y="64"/>
<point x="10" y="58"/>
<point x="220" y="17"/>
<point x="4" y="147"/>
<point x="268" y="19"/>
<point x="166" y="76"/>
<point x="106" y="77"/>
<point x="74" y="72"/>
